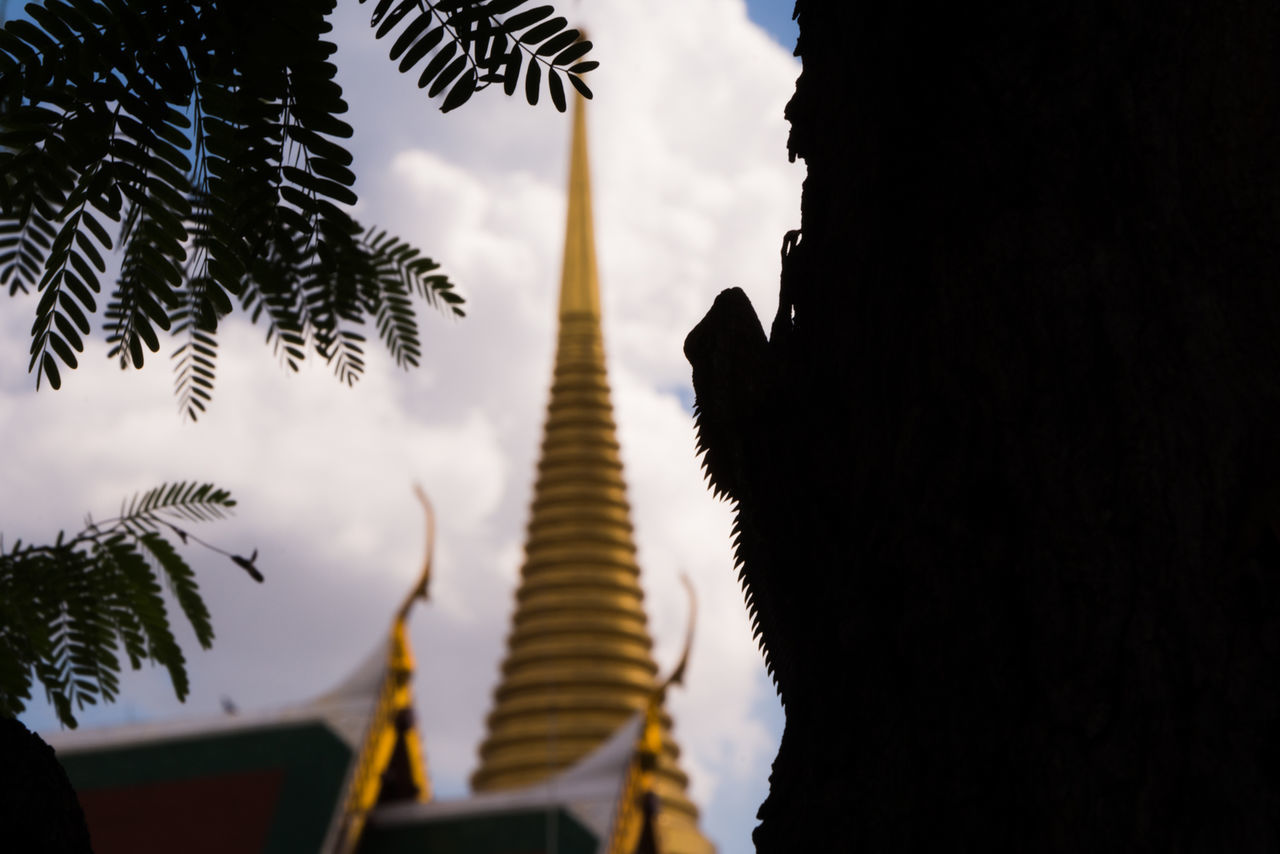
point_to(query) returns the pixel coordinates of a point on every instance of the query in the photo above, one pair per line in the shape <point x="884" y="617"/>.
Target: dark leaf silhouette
<point x="482" y="42"/>
<point x="70" y="608"/>
<point x="204" y="141"/>
<point x="247" y="564"/>
<point x="531" y="83"/>
<point x="556" y="87"/>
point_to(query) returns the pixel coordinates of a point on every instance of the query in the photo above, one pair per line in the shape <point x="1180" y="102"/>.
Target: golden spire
<point x="579" y="663"/>
<point x="579" y="281"/>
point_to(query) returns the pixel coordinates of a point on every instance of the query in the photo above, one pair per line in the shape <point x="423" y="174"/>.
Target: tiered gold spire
<point x="579" y="663"/>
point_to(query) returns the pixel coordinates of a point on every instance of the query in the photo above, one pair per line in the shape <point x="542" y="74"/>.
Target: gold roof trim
<point x="393" y="719"/>
<point x="641" y="782"/>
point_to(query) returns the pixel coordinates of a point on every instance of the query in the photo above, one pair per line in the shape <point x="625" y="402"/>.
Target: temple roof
<point x="285" y="775"/>
<point x="589" y="791"/>
<point x="345" y="709"/>
<point x="303" y="777"/>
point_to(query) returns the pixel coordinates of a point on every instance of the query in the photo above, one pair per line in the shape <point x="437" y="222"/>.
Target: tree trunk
<point x="39" y="810"/>
<point x="1008" y="478"/>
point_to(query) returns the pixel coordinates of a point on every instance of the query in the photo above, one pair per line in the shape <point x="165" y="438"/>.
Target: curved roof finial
<point x="419" y="590"/>
<point x="677" y="675"/>
<point x="649" y="746"/>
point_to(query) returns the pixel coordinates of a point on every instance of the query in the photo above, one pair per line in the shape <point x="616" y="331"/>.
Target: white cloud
<point x="692" y="194"/>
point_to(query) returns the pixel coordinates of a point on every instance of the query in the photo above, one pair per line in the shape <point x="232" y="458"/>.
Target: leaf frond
<point x="69" y="609"/>
<point x="206" y="142"/>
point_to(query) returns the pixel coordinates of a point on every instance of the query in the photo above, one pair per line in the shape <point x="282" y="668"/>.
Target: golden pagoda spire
<point x="579" y="663"/>
<point x="579" y="280"/>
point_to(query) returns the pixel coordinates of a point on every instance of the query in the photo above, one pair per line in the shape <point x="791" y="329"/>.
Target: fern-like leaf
<point x="68" y="609"/>
<point x="473" y="44"/>
<point x="206" y="140"/>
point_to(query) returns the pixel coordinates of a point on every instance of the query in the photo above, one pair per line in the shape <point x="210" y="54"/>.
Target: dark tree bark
<point x="1007" y="471"/>
<point x="39" y="810"/>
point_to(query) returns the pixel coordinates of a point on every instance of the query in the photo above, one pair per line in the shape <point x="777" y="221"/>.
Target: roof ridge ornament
<point x="420" y="588"/>
<point x="392" y="738"/>
<point x="678" y="673"/>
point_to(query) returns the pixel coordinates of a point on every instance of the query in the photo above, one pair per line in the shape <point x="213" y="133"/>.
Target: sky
<point x="693" y="192"/>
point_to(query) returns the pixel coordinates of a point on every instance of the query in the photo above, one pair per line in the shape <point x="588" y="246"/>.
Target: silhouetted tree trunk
<point x="1009" y="477"/>
<point x="39" y="811"/>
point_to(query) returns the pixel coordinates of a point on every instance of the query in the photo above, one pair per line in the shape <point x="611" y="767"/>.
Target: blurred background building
<point x="579" y="753"/>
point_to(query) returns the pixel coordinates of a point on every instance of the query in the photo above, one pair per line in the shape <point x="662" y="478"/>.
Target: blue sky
<point x="774" y="16"/>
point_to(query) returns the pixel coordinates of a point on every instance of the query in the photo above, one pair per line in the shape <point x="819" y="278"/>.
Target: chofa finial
<point x="677" y="675"/>
<point x="419" y="590"/>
